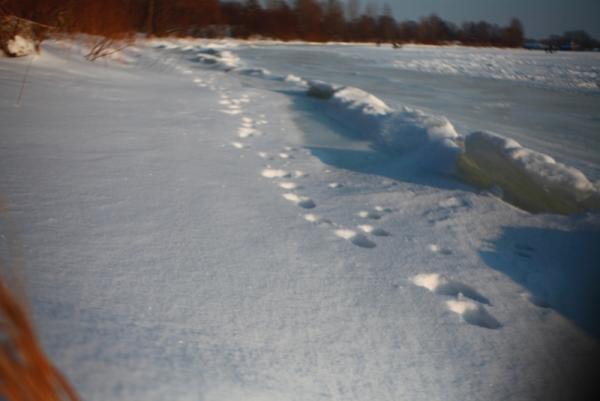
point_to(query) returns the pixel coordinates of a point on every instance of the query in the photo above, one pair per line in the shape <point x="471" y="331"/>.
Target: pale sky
<point x="540" y="17"/>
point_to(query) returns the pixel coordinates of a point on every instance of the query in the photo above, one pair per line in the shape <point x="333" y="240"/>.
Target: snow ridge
<point x="530" y="179"/>
<point x="485" y="159"/>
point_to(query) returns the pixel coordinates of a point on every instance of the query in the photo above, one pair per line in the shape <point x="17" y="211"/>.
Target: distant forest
<point x="310" y="20"/>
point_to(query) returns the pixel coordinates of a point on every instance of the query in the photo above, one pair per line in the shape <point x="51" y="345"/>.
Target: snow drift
<point x="431" y="139"/>
<point x="529" y="179"/>
<point x="222" y="59"/>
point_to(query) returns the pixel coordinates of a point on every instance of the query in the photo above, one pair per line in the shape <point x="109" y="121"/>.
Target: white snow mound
<point x="20" y="46"/>
<point x="360" y="101"/>
<point x="321" y="89"/>
<point x="406" y="130"/>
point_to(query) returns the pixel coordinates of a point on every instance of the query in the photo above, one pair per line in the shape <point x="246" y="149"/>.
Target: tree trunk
<point x="150" y="19"/>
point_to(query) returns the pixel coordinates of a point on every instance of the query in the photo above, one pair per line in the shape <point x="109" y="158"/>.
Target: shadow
<point x="560" y="269"/>
<point x="480" y="317"/>
<point x="454" y="288"/>
<point x="341" y="145"/>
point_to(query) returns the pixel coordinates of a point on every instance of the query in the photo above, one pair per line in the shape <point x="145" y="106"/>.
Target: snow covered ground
<point x="196" y="226"/>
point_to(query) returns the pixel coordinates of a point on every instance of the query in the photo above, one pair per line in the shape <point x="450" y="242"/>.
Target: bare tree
<point x="387" y="11"/>
<point x="371" y="9"/>
<point x="150" y="19"/>
<point x="353" y="9"/>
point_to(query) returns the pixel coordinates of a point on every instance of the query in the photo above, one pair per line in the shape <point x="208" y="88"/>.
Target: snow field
<point x="358" y="239"/>
<point x="191" y="262"/>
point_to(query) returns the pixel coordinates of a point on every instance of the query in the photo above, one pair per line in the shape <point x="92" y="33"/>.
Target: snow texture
<point x="171" y="252"/>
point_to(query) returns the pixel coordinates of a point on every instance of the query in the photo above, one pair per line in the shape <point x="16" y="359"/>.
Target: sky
<point x="540" y="17"/>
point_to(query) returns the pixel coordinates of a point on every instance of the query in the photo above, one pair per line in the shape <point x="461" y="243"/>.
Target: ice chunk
<point x="529" y="179"/>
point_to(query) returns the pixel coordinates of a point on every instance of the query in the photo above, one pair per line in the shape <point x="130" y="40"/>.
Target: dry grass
<point x="26" y="374"/>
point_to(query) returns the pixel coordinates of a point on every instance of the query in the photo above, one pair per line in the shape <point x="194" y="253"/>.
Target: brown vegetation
<point x="26" y="374"/>
<point x="314" y="20"/>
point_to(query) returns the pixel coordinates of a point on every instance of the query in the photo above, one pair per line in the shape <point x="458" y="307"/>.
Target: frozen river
<point x="548" y="102"/>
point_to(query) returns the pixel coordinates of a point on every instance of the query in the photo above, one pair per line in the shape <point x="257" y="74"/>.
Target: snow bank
<point x="530" y="179"/>
<point x="291" y="78"/>
<point x="254" y="71"/>
<point x="222" y="59"/>
<point x="360" y="101"/>
<point x="321" y="89"/>
<point x="406" y="130"/>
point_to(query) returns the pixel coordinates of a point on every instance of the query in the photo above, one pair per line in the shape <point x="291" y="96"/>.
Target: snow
<point x="296" y="80"/>
<point x="321" y="89"/>
<point x="274" y="173"/>
<point x="20" y="46"/>
<point x="405" y="130"/>
<point x="163" y="261"/>
<point x="515" y="168"/>
<point x="360" y="101"/>
<point x="520" y="65"/>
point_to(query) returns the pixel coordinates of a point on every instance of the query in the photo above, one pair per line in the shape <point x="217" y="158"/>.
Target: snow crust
<point x="533" y="68"/>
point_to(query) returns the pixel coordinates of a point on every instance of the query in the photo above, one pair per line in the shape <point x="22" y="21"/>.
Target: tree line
<point x="312" y="20"/>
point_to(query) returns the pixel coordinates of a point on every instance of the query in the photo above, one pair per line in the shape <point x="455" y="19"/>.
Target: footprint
<point x="437" y="249"/>
<point x="356" y="238"/>
<point x="366" y="214"/>
<point x="441" y="285"/>
<point x="274" y="173"/>
<point x="288" y="185"/>
<point x="231" y="112"/>
<point x="315" y="218"/>
<point x="447" y="209"/>
<point x="451" y="202"/>
<point x="265" y="155"/>
<point x="302" y="201"/>
<point x="378" y="231"/>
<point x="245" y="132"/>
<point x="473" y="313"/>
<point x="382" y="209"/>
